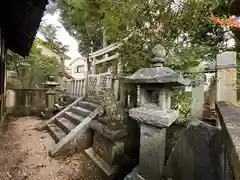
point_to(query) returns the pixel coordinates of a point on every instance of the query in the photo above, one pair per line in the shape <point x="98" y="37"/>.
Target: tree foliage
<point x="49" y="31"/>
<point x="31" y="71"/>
<point x="83" y="20"/>
<point x="178" y="25"/>
<point x="183" y="27"/>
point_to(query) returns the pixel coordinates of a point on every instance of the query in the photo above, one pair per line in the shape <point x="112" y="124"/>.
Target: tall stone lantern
<point x="154" y="114"/>
<point x="50" y="86"/>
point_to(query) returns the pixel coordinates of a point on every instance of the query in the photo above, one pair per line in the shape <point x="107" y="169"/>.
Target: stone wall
<point x="230" y="127"/>
<point x="25" y="102"/>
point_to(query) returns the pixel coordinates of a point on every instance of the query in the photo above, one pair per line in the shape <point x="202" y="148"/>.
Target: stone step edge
<point x="55" y="134"/>
<point x="74" y="118"/>
<point x="81" y="133"/>
<point x="44" y="124"/>
<point x="65" y="127"/>
<point x="80" y="110"/>
<point x="108" y="170"/>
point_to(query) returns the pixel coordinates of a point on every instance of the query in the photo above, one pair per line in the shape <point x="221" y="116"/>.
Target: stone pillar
<point x="226" y="77"/>
<point x="85" y="87"/>
<point x="198" y="100"/>
<point x="50" y="86"/>
<point x="116" y="81"/>
<point x="94" y="66"/>
<point x="154" y="122"/>
<point x="154" y="118"/>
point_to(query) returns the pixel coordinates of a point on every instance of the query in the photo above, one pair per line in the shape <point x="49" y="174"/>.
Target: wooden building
<point x="19" y="22"/>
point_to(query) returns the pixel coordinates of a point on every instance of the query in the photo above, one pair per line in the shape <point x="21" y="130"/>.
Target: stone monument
<point x="110" y="136"/>
<point x="154" y="114"/>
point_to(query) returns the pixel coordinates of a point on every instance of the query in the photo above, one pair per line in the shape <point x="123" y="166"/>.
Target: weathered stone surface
<point x="158" y="75"/>
<point x="110" y="171"/>
<point x="105" y="131"/>
<point x="174" y="133"/>
<point x="227" y="59"/>
<point x="133" y="175"/>
<point x="110" y="152"/>
<point x="152" y="152"/>
<point x="230" y="124"/>
<point x="199" y="155"/>
<point x="79" y="139"/>
<point x="154" y="116"/>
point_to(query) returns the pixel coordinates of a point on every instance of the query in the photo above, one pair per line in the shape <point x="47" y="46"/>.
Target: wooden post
<point x="2" y="77"/>
<point x="226" y="77"/>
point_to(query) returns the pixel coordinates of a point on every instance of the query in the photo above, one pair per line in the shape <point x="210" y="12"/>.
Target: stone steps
<point x="74" y="118"/>
<point x="65" y="124"/>
<point x="56" y="132"/>
<point x="69" y="120"/>
<point x="95" y="101"/>
<point x="87" y="105"/>
<point x="80" y="111"/>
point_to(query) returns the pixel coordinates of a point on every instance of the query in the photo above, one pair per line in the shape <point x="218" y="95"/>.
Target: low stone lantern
<point x="154" y="114"/>
<point x="50" y="86"/>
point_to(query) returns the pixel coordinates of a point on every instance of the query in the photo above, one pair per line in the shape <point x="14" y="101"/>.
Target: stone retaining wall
<point x="229" y="121"/>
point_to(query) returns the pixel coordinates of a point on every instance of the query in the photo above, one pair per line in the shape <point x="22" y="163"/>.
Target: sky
<point x="63" y="35"/>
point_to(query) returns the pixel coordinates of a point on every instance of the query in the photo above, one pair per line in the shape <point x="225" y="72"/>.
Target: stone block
<point x="199" y="155"/>
<point x="154" y="116"/>
<point x="109" y="171"/>
<point x="109" y="151"/>
<point x="226" y="60"/>
<point x="133" y="175"/>
<point x="107" y="132"/>
<point x="152" y="152"/>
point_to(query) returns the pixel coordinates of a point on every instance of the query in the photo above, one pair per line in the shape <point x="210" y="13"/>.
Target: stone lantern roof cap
<point x="157" y="74"/>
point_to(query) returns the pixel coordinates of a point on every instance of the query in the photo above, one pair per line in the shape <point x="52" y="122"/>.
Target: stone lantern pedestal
<point x="154" y="114"/>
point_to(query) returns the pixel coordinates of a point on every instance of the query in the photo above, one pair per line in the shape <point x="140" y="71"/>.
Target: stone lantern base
<point x="109" y="144"/>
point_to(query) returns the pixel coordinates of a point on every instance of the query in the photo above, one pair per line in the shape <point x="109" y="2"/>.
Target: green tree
<point x="49" y="32"/>
<point x="174" y="24"/>
<point x="31" y="71"/>
<point x="184" y="27"/>
<point x="83" y="20"/>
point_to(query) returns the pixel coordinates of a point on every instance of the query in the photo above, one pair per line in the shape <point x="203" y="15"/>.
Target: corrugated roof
<point x="20" y="21"/>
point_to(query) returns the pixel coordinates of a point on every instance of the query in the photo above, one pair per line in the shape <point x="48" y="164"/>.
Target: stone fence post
<point x="227" y="77"/>
<point x="154" y="117"/>
<point x="85" y="86"/>
<point x="198" y="100"/>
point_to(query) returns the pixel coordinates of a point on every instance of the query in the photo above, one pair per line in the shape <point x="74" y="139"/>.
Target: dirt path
<point x="24" y="156"/>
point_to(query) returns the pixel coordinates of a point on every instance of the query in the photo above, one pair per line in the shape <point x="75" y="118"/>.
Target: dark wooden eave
<point x="234" y="7"/>
<point x="20" y="20"/>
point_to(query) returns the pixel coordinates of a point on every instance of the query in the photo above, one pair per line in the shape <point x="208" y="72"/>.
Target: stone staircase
<point x="61" y="127"/>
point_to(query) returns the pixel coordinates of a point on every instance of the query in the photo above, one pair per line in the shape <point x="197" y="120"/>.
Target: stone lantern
<point x="50" y="86"/>
<point x="154" y="114"/>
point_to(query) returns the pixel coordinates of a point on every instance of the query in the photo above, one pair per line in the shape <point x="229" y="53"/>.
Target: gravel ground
<point x="24" y="156"/>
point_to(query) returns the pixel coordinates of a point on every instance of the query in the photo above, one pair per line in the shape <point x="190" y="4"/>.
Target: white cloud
<point x="62" y="35"/>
